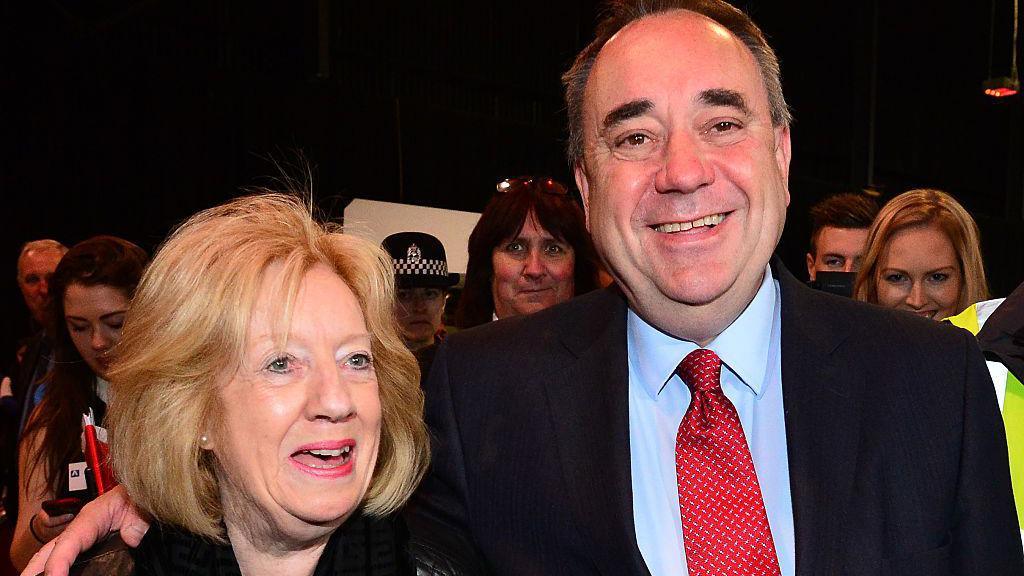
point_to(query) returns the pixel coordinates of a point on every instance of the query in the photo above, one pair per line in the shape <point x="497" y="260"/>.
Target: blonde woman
<point x="264" y="395"/>
<point x="923" y="256"/>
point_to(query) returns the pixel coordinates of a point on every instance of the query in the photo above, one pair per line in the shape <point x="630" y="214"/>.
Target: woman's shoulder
<point x="368" y="546"/>
<point x="363" y="546"/>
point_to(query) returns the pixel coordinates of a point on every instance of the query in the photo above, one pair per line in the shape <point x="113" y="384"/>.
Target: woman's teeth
<point x="323" y="458"/>
<point x="331" y="453"/>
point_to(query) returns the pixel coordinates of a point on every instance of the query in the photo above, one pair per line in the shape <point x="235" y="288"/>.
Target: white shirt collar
<point x="102" y="389"/>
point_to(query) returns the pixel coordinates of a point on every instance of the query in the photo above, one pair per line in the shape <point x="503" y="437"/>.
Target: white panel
<point x="376" y="220"/>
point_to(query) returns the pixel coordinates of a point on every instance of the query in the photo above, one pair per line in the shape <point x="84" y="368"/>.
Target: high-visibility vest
<point x="1009" y="392"/>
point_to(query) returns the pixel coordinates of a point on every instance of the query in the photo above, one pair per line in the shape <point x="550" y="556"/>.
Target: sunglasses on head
<point x="541" y="183"/>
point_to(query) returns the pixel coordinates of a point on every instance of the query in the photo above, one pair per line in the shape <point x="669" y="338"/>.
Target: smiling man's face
<point x="684" y="175"/>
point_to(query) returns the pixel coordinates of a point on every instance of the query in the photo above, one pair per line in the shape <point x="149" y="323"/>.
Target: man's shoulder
<point x="881" y="346"/>
<point x="576" y="314"/>
<point x="894" y="354"/>
<point x="566" y="328"/>
<point x="833" y="319"/>
<point x="818" y="311"/>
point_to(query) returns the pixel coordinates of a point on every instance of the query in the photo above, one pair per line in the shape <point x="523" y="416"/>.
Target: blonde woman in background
<point x="923" y="256"/>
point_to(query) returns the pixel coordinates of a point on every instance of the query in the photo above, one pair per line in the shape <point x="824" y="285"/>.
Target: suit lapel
<point x="589" y="410"/>
<point x="822" y="399"/>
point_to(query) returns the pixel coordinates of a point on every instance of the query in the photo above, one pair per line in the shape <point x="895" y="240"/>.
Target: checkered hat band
<point x="422" y="266"/>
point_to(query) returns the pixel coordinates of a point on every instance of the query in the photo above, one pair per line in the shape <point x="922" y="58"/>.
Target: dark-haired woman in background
<point x="529" y="250"/>
<point x="90" y="293"/>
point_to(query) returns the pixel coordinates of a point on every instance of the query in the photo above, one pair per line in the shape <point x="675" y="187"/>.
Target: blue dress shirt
<point x="658" y="399"/>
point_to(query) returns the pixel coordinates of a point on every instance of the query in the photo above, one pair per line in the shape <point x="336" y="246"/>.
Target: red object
<point x="1000" y="92"/>
<point x="62" y="506"/>
<point x="725" y="527"/>
<point x="97" y="457"/>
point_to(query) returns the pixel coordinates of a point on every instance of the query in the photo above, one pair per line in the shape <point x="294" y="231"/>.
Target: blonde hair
<point x="925" y="208"/>
<point x="187" y="329"/>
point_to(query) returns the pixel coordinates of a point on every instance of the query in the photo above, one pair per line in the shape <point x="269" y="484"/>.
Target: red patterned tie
<point x="725" y="527"/>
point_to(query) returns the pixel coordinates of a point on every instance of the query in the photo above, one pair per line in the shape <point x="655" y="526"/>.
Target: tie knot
<point x="700" y="370"/>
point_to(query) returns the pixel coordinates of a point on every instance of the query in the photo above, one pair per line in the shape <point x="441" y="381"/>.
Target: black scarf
<point x="362" y="546"/>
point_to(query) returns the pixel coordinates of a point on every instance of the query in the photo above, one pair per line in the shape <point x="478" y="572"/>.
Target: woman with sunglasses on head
<point x="90" y="293"/>
<point x="530" y="250"/>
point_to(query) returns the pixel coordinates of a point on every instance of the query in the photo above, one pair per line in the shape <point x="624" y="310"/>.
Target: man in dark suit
<point x="36" y="263"/>
<point x="709" y="415"/>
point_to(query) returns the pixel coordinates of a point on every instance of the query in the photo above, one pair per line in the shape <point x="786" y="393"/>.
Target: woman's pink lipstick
<point x="326" y="459"/>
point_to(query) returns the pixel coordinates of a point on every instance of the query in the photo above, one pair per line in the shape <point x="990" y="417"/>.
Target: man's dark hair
<point x="619" y="13"/>
<point x="847" y="210"/>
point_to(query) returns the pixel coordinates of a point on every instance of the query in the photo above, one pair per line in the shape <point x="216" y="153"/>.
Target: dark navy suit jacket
<point x="896" y="449"/>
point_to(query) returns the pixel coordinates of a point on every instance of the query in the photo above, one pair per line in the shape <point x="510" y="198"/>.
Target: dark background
<point x="124" y="117"/>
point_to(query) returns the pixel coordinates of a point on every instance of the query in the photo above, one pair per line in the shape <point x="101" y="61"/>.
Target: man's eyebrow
<point x="626" y="111"/>
<point x="724" y="97"/>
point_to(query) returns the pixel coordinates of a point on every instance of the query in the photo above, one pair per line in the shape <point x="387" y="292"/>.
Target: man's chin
<point x="696" y="299"/>
<point x="695" y="288"/>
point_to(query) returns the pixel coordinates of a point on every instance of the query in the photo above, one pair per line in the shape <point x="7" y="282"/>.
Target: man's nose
<point x="685" y="167"/>
<point x="849" y="266"/>
<point x="44" y="288"/>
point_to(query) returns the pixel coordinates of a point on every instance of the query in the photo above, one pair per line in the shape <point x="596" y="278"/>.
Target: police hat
<point x="419" y="261"/>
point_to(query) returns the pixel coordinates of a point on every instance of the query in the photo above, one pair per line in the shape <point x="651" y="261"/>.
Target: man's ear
<point x="584" y="185"/>
<point x="810" y="266"/>
<point x="783" y="153"/>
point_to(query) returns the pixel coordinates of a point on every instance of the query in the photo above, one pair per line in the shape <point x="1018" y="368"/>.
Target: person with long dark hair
<point x="90" y="293"/>
<point x="529" y="250"/>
